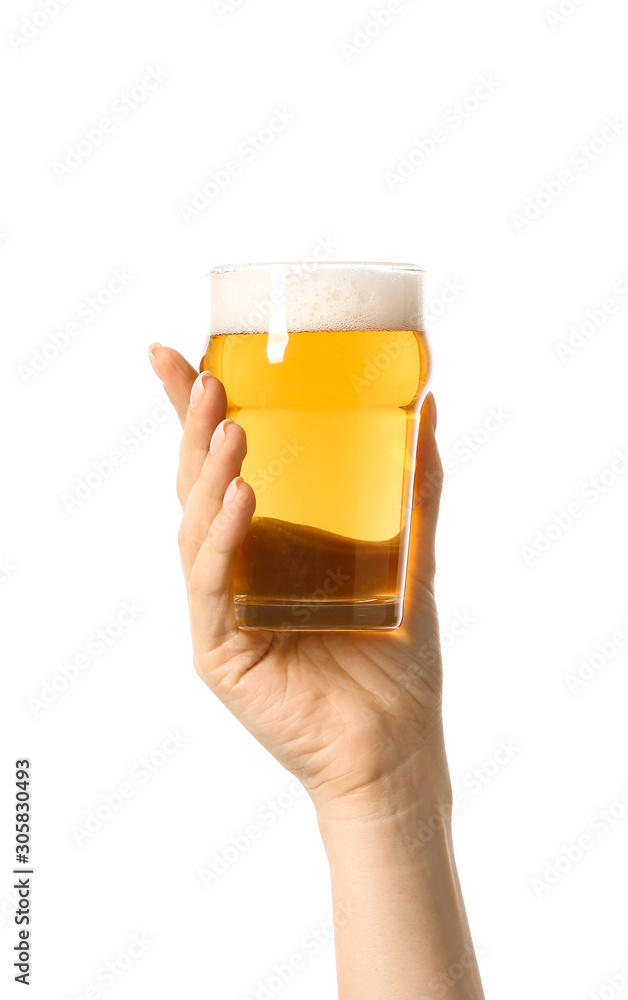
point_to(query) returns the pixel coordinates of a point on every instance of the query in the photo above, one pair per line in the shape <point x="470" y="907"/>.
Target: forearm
<point x="401" y="927"/>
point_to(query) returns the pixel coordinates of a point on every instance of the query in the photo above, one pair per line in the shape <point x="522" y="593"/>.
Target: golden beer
<point x="331" y="421"/>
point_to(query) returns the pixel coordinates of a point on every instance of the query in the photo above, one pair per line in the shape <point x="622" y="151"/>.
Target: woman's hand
<point x="356" y="716"/>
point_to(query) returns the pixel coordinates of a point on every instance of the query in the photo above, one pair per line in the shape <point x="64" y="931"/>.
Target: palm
<point x="334" y="707"/>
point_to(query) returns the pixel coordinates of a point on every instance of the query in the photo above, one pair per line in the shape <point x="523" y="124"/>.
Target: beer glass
<point x="325" y="367"/>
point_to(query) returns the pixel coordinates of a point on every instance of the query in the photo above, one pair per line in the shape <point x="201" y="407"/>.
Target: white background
<point x="525" y="284"/>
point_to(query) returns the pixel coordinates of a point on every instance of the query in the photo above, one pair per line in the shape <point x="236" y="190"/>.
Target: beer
<point x="331" y="421"/>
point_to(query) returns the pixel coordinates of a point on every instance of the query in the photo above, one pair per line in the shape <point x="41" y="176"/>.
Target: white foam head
<point x="292" y="297"/>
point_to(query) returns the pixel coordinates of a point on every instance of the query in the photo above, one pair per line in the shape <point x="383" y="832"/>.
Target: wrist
<point x="397" y="823"/>
<point x="413" y="786"/>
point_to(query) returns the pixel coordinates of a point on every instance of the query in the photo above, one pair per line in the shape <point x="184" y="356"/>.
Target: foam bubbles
<point x="332" y="296"/>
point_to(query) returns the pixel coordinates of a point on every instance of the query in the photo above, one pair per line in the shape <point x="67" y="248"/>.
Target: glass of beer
<point x="325" y="367"/>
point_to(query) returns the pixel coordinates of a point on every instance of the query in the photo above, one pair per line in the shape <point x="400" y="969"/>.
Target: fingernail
<point x="231" y="490"/>
<point x="198" y="389"/>
<point x="153" y="359"/>
<point x="430" y="402"/>
<point x="219" y="435"/>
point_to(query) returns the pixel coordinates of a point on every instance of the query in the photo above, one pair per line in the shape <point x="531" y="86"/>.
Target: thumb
<point x="428" y="482"/>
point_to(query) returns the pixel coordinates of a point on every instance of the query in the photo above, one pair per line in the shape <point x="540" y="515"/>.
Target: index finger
<point x="177" y="375"/>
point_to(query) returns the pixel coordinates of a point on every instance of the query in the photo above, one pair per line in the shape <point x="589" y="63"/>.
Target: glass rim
<point x="314" y="264"/>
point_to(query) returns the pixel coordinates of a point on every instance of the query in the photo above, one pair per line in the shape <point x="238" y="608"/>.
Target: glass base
<point x="316" y="616"/>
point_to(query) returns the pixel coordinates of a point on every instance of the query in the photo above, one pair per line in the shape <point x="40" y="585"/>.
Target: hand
<point x="356" y="716"/>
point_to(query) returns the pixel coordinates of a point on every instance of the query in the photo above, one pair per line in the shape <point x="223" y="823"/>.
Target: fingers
<point x="222" y="464"/>
<point x="218" y="504"/>
<point x="200" y="402"/>
<point x="425" y="506"/>
<point x="176" y="374"/>
<point x="206" y="410"/>
<point x="210" y="588"/>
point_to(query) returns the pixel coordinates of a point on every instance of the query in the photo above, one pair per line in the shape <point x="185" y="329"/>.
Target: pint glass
<point x="325" y="367"/>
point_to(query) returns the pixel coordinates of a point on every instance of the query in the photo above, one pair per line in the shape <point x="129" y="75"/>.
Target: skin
<point x="355" y="716"/>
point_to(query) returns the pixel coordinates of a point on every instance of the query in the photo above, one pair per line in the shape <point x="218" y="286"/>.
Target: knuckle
<point x="194" y="587"/>
<point x="180" y="491"/>
<point x="218" y="523"/>
<point x="428" y="488"/>
<point x="198" y="668"/>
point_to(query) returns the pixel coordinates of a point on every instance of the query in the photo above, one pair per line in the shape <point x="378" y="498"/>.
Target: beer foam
<point x="277" y="298"/>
